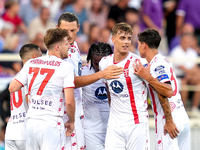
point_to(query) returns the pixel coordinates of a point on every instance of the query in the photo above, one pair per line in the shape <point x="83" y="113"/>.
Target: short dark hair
<point x="54" y="35"/>
<point x="100" y="49"/>
<point x="27" y="48"/>
<point x="122" y="27"/>
<point x="68" y="17"/>
<point x="151" y="37"/>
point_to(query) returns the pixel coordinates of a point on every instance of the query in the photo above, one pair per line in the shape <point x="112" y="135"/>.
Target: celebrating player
<point x="15" y="138"/>
<point x="46" y="78"/>
<point x="128" y="121"/>
<point x="161" y="70"/>
<point x="70" y="22"/>
<point x="95" y="102"/>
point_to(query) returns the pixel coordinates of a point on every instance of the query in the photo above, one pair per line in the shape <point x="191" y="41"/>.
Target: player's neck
<point x="150" y="54"/>
<point x="119" y="56"/>
<point x="54" y="54"/>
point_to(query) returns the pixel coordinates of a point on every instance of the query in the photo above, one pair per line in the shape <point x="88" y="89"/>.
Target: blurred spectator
<point x="152" y="16"/>
<point x="170" y="16"/>
<point x="53" y="5"/>
<point x="7" y="28"/>
<point x="2" y="4"/>
<point x="11" y="44"/>
<point x="117" y="13"/>
<point x="187" y="28"/>
<point x="97" y="14"/>
<point x="132" y="18"/>
<point x="78" y="7"/>
<point x="2" y="137"/>
<point x="11" y="15"/>
<point x="92" y="38"/>
<point x="30" y="10"/>
<point x="39" y="40"/>
<point x="40" y="24"/>
<point x="135" y="4"/>
<point x="105" y="35"/>
<point x="188" y="12"/>
<point x="62" y="8"/>
<point x="186" y="68"/>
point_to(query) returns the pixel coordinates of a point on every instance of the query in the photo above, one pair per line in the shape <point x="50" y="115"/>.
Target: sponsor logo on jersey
<point x="172" y="105"/>
<point x="162" y="77"/>
<point x="117" y="86"/>
<point x="159" y="68"/>
<point x="145" y="65"/>
<point x="101" y="93"/>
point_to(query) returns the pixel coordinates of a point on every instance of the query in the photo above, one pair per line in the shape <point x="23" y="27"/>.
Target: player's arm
<point x="170" y="126"/>
<point x="144" y="72"/>
<point x="108" y="94"/>
<point x="110" y="72"/>
<point x="14" y="86"/>
<point x="70" y="109"/>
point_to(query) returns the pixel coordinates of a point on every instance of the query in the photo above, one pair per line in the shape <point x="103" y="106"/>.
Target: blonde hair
<point x="122" y="27"/>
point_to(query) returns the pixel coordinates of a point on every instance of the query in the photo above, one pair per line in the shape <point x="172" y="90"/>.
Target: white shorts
<point x="41" y="135"/>
<point x="15" y="144"/>
<point x="181" y="142"/>
<point x="135" y="137"/>
<point x="76" y="141"/>
<point x="95" y="141"/>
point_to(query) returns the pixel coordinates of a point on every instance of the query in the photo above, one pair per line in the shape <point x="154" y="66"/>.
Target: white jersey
<point x="161" y="68"/>
<point x="46" y="78"/>
<point x="15" y="129"/>
<point x="95" y="104"/>
<point x="128" y="93"/>
<point x="74" y="57"/>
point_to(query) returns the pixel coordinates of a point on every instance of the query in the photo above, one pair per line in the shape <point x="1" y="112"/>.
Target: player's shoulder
<point x="106" y="59"/>
<point x="86" y="70"/>
<point x="135" y="58"/>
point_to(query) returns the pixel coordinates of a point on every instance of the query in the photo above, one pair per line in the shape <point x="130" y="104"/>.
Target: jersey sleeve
<point x="159" y="71"/>
<point x="22" y="76"/>
<point x="101" y="68"/>
<point x="69" y="77"/>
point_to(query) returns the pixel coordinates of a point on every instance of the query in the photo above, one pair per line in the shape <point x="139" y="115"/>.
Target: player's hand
<point x="171" y="128"/>
<point x="112" y="72"/>
<point x="70" y="128"/>
<point x="140" y="70"/>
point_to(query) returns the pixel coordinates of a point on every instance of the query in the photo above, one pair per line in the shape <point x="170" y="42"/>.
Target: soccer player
<point x="160" y="69"/>
<point x="95" y="102"/>
<point x="70" y="22"/>
<point x="15" y="138"/>
<point x="128" y="120"/>
<point x="48" y="79"/>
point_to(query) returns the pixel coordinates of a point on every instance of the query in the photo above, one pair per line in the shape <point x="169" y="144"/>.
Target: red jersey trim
<point x="131" y="94"/>
<point x="154" y="105"/>
<point x="19" y="82"/>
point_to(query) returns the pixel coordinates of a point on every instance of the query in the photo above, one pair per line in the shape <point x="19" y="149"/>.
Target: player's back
<point x="47" y="76"/>
<point x="128" y="93"/>
<point x="161" y="68"/>
<point x="15" y="129"/>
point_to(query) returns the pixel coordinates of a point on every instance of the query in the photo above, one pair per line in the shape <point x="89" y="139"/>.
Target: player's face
<point x="64" y="47"/>
<point x="95" y="62"/>
<point x="122" y="41"/>
<point x="72" y="28"/>
<point x="141" y="49"/>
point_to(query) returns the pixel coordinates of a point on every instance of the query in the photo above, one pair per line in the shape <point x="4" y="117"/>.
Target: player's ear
<point x="113" y="39"/>
<point x="57" y="26"/>
<point x="78" y="27"/>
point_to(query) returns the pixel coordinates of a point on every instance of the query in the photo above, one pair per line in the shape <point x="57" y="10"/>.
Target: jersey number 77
<point x="42" y="71"/>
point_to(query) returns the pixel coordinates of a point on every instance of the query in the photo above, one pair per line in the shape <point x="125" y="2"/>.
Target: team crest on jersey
<point x="117" y="86"/>
<point x="101" y="93"/>
<point x="72" y="49"/>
